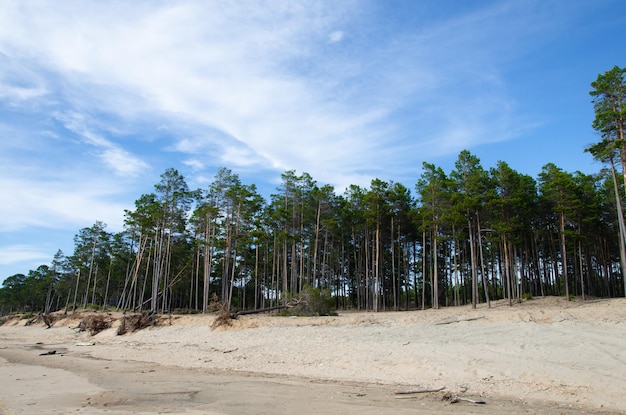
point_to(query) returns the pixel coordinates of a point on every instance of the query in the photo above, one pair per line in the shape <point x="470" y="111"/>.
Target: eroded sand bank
<point x="541" y="356"/>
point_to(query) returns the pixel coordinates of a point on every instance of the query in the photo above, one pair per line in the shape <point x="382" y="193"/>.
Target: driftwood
<point x="423" y="390"/>
<point x="51" y="352"/>
<point x="454" y="398"/>
<point x="260" y="310"/>
<point x="458" y="321"/>
<point x="475" y="401"/>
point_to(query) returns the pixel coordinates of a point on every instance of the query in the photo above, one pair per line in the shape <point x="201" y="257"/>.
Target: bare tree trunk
<point x="472" y="241"/>
<point x="507" y="269"/>
<point x="582" y="274"/>
<point x="393" y="269"/>
<point x="423" y="270"/>
<point x="93" y="254"/>
<point x="435" y="273"/>
<point x="106" y="290"/>
<point x="564" y="253"/>
<point x="456" y="270"/>
<point x="482" y="263"/>
<point x="256" y="274"/>
<point x="622" y="228"/>
<point x="138" y="302"/>
<point x="368" y="272"/>
<point x="377" y="267"/>
<point x="76" y="291"/>
<point x="95" y="281"/>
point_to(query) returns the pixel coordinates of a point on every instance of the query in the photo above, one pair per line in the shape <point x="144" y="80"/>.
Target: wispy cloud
<point x="54" y="204"/>
<point x="335" y="36"/>
<point x="276" y="84"/>
<point x="112" y="155"/>
<point x="14" y="254"/>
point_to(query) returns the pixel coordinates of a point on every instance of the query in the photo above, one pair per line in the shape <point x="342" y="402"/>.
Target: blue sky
<point x="97" y="99"/>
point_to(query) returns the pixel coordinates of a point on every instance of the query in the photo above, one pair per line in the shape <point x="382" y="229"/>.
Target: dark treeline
<point x="468" y="236"/>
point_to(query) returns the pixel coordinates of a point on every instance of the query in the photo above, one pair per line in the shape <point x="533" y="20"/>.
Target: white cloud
<point x="190" y="60"/>
<point x="336" y="36"/>
<point x="257" y="85"/>
<point x="194" y="164"/>
<point x="122" y="162"/>
<point x="19" y="94"/>
<point x="14" y="254"/>
<point x="112" y="155"/>
<point x="56" y="204"/>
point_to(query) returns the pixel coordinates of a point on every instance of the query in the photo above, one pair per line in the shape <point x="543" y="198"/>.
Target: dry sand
<point x="543" y="356"/>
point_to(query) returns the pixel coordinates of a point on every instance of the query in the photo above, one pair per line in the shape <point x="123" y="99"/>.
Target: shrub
<point x="214" y="304"/>
<point x="134" y="322"/>
<point x="94" y="324"/>
<point x="312" y="301"/>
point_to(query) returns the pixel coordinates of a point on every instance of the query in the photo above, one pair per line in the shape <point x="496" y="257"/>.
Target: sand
<point x="541" y="356"/>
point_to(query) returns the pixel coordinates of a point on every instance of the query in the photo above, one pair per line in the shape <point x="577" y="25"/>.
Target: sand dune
<point x="540" y="356"/>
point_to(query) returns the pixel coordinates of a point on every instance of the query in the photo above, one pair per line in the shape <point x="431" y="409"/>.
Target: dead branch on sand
<point x="419" y="390"/>
<point x="454" y="398"/>
<point x="459" y="321"/>
<point x="224" y="318"/>
<point x="134" y="322"/>
<point x="94" y="324"/>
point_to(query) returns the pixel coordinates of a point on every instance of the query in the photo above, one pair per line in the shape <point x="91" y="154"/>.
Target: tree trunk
<point x="564" y="253"/>
<point x="472" y="241"/>
<point x="622" y="230"/>
<point x="482" y="262"/>
<point x="435" y="281"/>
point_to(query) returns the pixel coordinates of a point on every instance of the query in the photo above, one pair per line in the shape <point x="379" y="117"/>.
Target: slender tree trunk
<point x="315" y="243"/>
<point x="582" y="274"/>
<point x="106" y="290"/>
<point x="482" y="263"/>
<point x="423" y="269"/>
<point x="76" y="291"/>
<point x="620" y="218"/>
<point x="393" y="270"/>
<point x="93" y="255"/>
<point x="564" y="253"/>
<point x="435" y="283"/>
<point x="95" y="283"/>
<point x="472" y="241"/>
<point x="376" y="267"/>
<point x="456" y="270"/>
<point x="256" y="274"/>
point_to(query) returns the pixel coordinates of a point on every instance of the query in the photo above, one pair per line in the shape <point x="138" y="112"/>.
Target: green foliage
<point x="311" y="302"/>
<point x="370" y="248"/>
<point x="609" y="97"/>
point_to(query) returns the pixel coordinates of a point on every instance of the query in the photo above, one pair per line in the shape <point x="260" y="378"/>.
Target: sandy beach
<point x="541" y="356"/>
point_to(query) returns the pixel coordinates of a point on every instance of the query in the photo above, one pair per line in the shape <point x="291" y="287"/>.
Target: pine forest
<point x="468" y="236"/>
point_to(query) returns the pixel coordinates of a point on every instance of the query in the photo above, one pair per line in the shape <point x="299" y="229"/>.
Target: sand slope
<point x="536" y="356"/>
